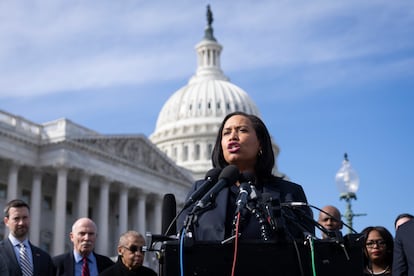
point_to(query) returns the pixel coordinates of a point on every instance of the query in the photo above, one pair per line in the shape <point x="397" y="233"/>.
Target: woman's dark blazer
<point x="210" y="225"/>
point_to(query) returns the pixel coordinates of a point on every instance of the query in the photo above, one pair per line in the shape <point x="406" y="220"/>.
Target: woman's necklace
<point x="378" y="273"/>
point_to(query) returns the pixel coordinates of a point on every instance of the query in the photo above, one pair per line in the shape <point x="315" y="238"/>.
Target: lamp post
<point x="347" y="181"/>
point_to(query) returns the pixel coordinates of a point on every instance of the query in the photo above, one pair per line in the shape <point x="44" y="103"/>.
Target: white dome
<point x="206" y="101"/>
<point x="187" y="125"/>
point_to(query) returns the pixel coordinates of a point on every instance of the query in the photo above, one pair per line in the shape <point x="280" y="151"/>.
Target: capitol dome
<point x="188" y="122"/>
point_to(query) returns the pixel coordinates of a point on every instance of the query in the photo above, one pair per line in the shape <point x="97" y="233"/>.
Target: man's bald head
<point x="330" y="219"/>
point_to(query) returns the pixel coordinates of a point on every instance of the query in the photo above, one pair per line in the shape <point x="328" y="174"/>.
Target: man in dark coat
<point x="130" y="257"/>
<point x="83" y="237"/>
<point x="403" y="263"/>
<point x="17" y="220"/>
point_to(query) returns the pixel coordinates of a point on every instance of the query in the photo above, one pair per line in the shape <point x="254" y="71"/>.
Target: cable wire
<point x="312" y="248"/>
<point x="236" y="242"/>
<point x="181" y="252"/>
<point x="326" y="213"/>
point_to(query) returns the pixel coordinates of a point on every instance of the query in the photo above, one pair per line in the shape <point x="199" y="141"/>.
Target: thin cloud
<point x="55" y="46"/>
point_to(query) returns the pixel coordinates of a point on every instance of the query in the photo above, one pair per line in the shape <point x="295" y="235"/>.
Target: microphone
<point x="273" y="211"/>
<point x="210" y="179"/>
<point x="247" y="179"/>
<point x="227" y="177"/>
<point x="169" y="209"/>
<point x="293" y="204"/>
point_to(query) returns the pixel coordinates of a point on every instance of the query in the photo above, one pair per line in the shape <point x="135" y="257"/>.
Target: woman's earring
<point x="260" y="153"/>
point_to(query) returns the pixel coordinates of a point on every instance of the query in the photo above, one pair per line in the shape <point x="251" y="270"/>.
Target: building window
<point x="90" y="212"/>
<point x="185" y="153"/>
<point x="69" y="208"/>
<point x="45" y="246"/>
<point x="174" y="153"/>
<point x="3" y="191"/>
<point x="47" y="203"/>
<point x="210" y="149"/>
<point x="197" y="152"/>
<point x="26" y="196"/>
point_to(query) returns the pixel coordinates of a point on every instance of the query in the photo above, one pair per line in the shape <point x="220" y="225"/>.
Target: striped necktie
<point x="25" y="264"/>
<point x="85" y="267"/>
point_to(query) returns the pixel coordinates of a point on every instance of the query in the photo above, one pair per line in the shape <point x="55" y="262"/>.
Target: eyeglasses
<point x="135" y="248"/>
<point x="372" y="243"/>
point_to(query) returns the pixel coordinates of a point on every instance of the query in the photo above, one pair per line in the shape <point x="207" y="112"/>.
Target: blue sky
<point x="329" y="77"/>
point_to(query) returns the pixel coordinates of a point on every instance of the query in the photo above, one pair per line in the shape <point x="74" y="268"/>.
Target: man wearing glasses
<point x="130" y="257"/>
<point x="82" y="261"/>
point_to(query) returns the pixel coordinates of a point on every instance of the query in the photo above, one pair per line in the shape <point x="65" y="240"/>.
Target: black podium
<point x="264" y="258"/>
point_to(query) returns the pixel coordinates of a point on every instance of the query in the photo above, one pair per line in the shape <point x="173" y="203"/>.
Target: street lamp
<point x="347" y="181"/>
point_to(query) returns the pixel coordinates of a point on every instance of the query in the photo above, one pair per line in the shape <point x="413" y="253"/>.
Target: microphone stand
<point x="335" y="236"/>
<point x="192" y="218"/>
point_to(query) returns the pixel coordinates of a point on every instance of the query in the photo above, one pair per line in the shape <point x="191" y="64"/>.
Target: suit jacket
<point x="65" y="263"/>
<point x="119" y="269"/>
<point x="403" y="263"/>
<point x="211" y="224"/>
<point x="42" y="262"/>
<point x="4" y="270"/>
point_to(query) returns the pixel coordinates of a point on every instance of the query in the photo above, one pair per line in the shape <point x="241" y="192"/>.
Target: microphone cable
<point x="326" y="213"/>
<point x="181" y="252"/>
<point x="173" y="221"/>
<point x="236" y="242"/>
<point x="312" y="249"/>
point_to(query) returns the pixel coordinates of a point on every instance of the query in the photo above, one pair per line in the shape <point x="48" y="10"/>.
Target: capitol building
<point x="66" y="171"/>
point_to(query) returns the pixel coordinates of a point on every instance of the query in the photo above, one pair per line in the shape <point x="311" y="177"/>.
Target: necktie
<point x="85" y="267"/>
<point x="25" y="264"/>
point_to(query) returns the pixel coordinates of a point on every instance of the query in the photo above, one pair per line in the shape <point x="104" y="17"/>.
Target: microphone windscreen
<point x="169" y="210"/>
<point x="230" y="174"/>
<point x="213" y="174"/>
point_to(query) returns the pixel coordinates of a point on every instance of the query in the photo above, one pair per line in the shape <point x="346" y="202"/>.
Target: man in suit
<point x="4" y="271"/>
<point x="403" y="262"/>
<point x="83" y="237"/>
<point x="401" y="219"/>
<point x="17" y="220"/>
<point x="330" y="219"/>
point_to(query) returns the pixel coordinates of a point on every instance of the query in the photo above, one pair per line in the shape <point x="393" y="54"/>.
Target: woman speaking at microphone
<point x="243" y="141"/>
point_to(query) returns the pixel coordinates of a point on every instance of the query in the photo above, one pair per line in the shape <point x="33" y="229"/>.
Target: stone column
<point x="60" y="212"/>
<point x="83" y="195"/>
<point x="142" y="227"/>
<point x="103" y="231"/>
<point x="123" y="209"/>
<point x="35" y="208"/>
<point x="191" y="152"/>
<point x="12" y="181"/>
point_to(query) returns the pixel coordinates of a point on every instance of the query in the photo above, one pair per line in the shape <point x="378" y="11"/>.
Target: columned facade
<point x="65" y="171"/>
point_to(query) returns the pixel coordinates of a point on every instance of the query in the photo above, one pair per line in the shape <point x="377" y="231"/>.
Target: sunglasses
<point x="135" y="248"/>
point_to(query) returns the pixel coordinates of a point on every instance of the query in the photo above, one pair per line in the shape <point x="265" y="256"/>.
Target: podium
<point x="264" y="258"/>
